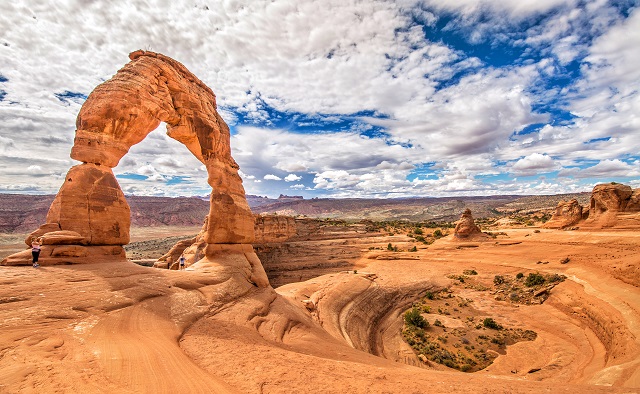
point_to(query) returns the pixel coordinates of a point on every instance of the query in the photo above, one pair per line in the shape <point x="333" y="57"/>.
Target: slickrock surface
<point x="119" y="327"/>
<point x="567" y="214"/>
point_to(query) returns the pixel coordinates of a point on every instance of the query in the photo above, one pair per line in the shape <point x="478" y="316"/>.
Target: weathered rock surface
<point x="120" y="113"/>
<point x="466" y="227"/>
<point x="272" y="228"/>
<point x="568" y="213"/>
<point x="610" y="201"/>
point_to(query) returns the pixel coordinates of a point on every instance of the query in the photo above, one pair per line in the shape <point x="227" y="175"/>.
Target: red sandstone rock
<point x="608" y="201"/>
<point x="120" y="113"/>
<point x="272" y="228"/>
<point x="466" y="227"/>
<point x="568" y="213"/>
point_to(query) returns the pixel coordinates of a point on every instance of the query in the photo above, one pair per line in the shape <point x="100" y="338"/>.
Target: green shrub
<point x="490" y="323"/>
<point x="520" y="275"/>
<point x="389" y="247"/>
<point x="414" y="249"/>
<point x="438" y="233"/>
<point x="418" y="231"/>
<point x="430" y="296"/>
<point x="498" y="280"/>
<point x="413" y="318"/>
<point x="534" y="280"/>
<point x="470" y="272"/>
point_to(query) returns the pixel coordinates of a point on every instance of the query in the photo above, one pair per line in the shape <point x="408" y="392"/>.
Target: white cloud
<point x="535" y="163"/>
<point x="449" y="118"/>
<point x="609" y="169"/>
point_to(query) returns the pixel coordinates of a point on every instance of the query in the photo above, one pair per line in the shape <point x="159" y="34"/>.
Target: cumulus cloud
<point x="424" y="117"/>
<point x="610" y="169"/>
<point x="292" y="178"/>
<point x="535" y="163"/>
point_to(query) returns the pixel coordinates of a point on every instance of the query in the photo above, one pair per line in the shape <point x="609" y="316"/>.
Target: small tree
<point x="534" y="280"/>
<point x="413" y="318"/>
<point x="490" y="323"/>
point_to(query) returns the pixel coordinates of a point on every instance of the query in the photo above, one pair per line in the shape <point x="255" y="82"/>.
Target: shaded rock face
<point x="609" y="200"/>
<point x="568" y="213"/>
<point x="466" y="227"/>
<point x="271" y="228"/>
<point x="120" y="113"/>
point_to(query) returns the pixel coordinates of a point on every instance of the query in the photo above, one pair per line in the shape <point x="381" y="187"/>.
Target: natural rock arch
<point x="89" y="218"/>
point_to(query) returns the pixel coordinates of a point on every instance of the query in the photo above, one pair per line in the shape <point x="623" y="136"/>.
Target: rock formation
<point x="612" y="203"/>
<point x="118" y="114"/>
<point x="466" y="227"/>
<point x="272" y="228"/>
<point x="568" y="213"/>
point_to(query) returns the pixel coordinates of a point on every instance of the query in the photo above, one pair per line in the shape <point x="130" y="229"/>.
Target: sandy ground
<point x="119" y="327"/>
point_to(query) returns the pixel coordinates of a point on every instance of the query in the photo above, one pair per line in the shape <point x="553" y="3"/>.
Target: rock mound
<point x="567" y="213"/>
<point x="613" y="204"/>
<point x="466" y="227"/>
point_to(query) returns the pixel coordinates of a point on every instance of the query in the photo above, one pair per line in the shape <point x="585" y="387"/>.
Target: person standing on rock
<point x="182" y="261"/>
<point x="35" y="251"/>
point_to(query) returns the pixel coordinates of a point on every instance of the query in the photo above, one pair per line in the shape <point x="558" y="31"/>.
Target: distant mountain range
<point x="24" y="213"/>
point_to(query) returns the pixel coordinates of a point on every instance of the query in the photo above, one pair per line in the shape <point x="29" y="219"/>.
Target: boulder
<point x="568" y="213"/>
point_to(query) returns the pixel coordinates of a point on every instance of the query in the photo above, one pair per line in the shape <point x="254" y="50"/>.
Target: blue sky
<point x="342" y="98"/>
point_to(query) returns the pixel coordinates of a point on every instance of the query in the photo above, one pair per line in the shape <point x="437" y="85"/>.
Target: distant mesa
<point x="285" y="197"/>
<point x="89" y="218"/>
<point x="611" y="205"/>
<point x="467" y="229"/>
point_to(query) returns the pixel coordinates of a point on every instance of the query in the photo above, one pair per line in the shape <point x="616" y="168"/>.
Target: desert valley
<point x="502" y="294"/>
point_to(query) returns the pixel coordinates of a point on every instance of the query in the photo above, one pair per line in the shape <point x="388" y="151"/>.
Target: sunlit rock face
<point x="120" y="113"/>
<point x="613" y="204"/>
<point x="466" y="227"/>
<point x="567" y="213"/>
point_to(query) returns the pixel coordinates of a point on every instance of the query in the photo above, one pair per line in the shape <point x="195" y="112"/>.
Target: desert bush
<point x="414" y="249"/>
<point x="413" y="318"/>
<point x="534" y="280"/>
<point x="520" y="275"/>
<point x="498" y="280"/>
<point x="470" y="272"/>
<point x="438" y="323"/>
<point x="438" y="233"/>
<point x="430" y="296"/>
<point x="418" y="231"/>
<point x="490" y="323"/>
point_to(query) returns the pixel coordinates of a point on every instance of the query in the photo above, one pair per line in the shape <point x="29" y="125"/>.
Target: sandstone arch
<point x="90" y="216"/>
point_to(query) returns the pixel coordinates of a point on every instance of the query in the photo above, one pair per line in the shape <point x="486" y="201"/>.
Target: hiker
<point x="181" y="260"/>
<point x="35" y="251"/>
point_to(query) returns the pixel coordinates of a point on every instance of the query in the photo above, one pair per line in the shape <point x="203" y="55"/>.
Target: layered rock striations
<point x="567" y="214"/>
<point x="273" y="228"/>
<point x="120" y="113"/>
<point x="467" y="229"/>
